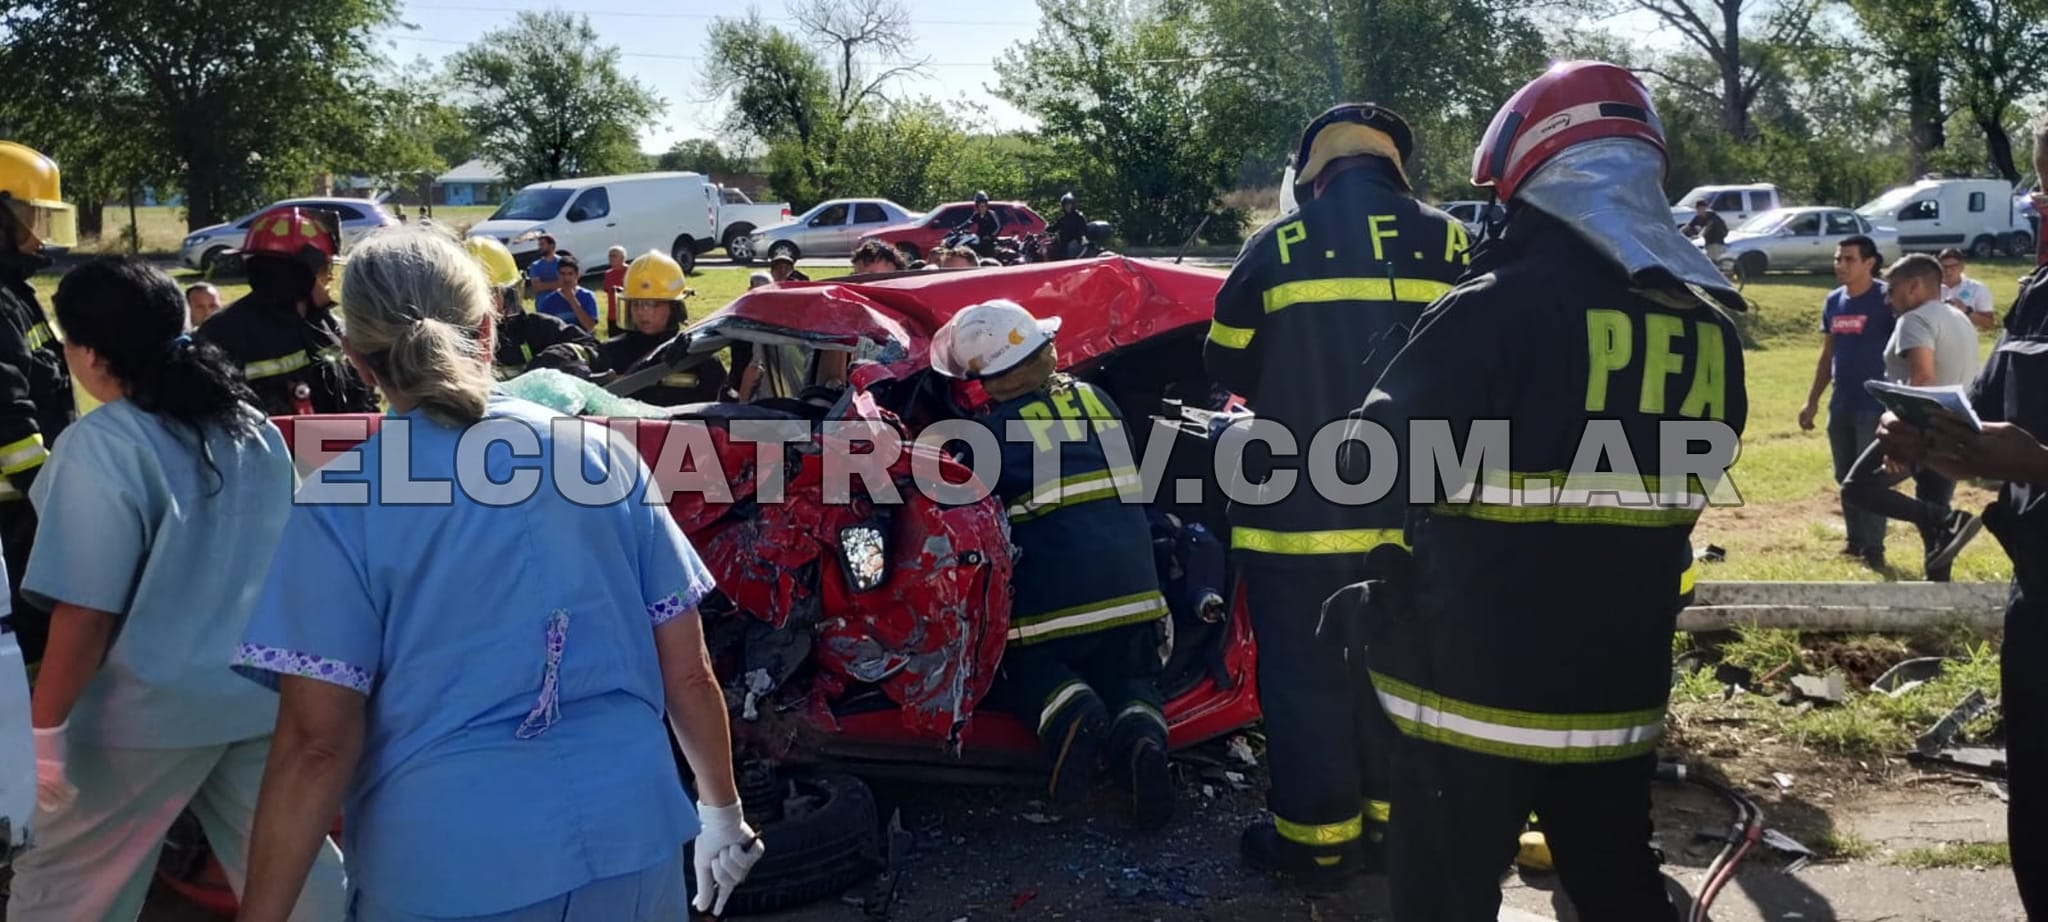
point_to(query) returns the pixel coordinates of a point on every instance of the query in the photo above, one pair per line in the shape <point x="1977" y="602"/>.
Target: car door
<point x="590" y="227"/>
<point x="825" y="233"/>
<point x="1731" y="207"/>
<point x="868" y="217"/>
<point x="1839" y="226"/>
<point x="1800" y="248"/>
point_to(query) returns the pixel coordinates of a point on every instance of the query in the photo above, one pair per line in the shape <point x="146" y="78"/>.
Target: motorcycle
<point x="1043" y="247"/>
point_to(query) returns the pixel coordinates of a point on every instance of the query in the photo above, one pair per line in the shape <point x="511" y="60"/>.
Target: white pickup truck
<point x="739" y="217"/>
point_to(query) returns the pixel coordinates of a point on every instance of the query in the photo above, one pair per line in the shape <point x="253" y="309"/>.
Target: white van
<point x="673" y="213"/>
<point x="1735" y="204"/>
<point x="1974" y="215"/>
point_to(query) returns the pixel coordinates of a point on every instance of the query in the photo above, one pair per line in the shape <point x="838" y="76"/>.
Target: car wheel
<point x="684" y="251"/>
<point x="1750" y="266"/>
<point x="825" y="838"/>
<point x="2019" y="245"/>
<point x="208" y="258"/>
<point x="1983" y="247"/>
<point x="739" y="244"/>
<point x="783" y="248"/>
<point x="909" y="251"/>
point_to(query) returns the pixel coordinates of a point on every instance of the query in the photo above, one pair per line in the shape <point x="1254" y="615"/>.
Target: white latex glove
<point x="726" y="850"/>
<point x="54" y="791"/>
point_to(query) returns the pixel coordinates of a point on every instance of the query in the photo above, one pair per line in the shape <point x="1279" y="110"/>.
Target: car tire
<point x="815" y="853"/>
<point x="739" y="244"/>
<point x="684" y="252"/>
<point x="784" y="248"/>
<point x="208" y="258"/>
<point x="2019" y="244"/>
<point x="1984" y="247"/>
<point x="1752" y="266"/>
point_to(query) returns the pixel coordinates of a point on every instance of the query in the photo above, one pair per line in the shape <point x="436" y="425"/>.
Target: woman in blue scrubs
<point x="476" y="621"/>
<point x="159" y="511"/>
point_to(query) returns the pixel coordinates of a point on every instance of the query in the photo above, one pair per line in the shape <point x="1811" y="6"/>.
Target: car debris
<point x="1832" y="688"/>
<point x="1909" y="675"/>
<point x="1240" y="751"/>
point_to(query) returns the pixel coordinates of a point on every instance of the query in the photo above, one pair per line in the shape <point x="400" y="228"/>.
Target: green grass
<point x="1790" y="526"/>
<point x="1843" y="845"/>
<point x="1957" y="855"/>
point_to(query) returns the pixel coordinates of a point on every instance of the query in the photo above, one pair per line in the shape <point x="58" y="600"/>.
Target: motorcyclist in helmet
<point x="983" y="224"/>
<point x="1069" y="230"/>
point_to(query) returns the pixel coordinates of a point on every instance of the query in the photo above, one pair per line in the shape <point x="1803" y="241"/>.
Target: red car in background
<point x="858" y="638"/>
<point x="916" y="238"/>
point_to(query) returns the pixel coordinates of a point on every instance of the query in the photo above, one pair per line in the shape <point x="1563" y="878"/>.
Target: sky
<point x="661" y="44"/>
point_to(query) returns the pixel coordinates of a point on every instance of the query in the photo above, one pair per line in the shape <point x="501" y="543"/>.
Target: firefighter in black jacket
<point x="35" y="386"/>
<point x="524" y="339"/>
<point x="1086" y="621"/>
<point x="1318" y="303"/>
<point x="283" y="332"/>
<point x="1524" y="649"/>
<point x="655" y="290"/>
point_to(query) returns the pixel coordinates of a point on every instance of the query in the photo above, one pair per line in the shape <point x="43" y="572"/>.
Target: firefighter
<point x="1315" y="306"/>
<point x="34" y="381"/>
<point x="1524" y="649"/>
<point x="654" y="293"/>
<point x="1087" y="619"/>
<point x="525" y="339"/>
<point x="283" y="333"/>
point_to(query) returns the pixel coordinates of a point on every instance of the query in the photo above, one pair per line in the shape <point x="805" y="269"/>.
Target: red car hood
<point x="1105" y="304"/>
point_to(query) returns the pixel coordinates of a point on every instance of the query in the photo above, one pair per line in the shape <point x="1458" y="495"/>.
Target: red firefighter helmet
<point x="1570" y="104"/>
<point x="311" y="235"/>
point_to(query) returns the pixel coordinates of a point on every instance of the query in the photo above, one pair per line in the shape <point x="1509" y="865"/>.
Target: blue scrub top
<point x="134" y="523"/>
<point x="515" y="746"/>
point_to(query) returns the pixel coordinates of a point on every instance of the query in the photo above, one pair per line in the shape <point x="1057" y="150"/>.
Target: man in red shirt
<point x="614" y="279"/>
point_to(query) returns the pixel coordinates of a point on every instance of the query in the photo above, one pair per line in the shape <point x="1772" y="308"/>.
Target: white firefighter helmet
<point x="987" y="339"/>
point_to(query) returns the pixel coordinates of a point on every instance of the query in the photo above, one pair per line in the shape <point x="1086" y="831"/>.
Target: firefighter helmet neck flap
<point x="1582" y="143"/>
<point x="1358" y="129"/>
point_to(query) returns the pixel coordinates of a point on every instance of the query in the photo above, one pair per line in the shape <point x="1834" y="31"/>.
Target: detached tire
<point x="827" y="840"/>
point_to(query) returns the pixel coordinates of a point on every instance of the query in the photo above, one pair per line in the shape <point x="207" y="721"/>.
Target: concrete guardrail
<point x="1859" y="607"/>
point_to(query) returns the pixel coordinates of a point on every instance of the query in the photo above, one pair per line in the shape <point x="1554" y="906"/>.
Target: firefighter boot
<point x="1075" y="745"/>
<point x="1150" y="783"/>
<point x="1320" y="868"/>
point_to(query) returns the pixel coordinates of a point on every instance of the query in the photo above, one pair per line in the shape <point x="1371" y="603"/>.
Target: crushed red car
<point x="856" y="632"/>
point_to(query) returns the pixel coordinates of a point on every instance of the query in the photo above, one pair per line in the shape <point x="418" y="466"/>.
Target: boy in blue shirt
<point x="1856" y="322"/>
<point x="571" y="303"/>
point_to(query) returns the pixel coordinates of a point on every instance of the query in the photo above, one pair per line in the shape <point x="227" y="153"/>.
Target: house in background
<point x="472" y="183"/>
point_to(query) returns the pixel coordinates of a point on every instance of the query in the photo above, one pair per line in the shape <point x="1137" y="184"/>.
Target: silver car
<point x="359" y="216"/>
<point x="1799" y="240"/>
<point x="832" y="229"/>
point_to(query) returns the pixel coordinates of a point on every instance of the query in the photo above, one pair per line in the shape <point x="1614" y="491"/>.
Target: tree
<point x="1119" y="95"/>
<point x="1911" y="37"/>
<point x="789" y="96"/>
<point x="1715" y="28"/>
<point x="699" y="155"/>
<point x="548" y="102"/>
<point x="239" y="98"/>
<point x="2000" y="56"/>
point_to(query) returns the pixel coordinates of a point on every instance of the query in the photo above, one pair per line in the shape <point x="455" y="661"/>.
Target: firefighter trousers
<point x="1327" y="740"/>
<point x="1462" y="813"/>
<point x="17" y="538"/>
<point x="1102" y="679"/>
<point x="2025" y="708"/>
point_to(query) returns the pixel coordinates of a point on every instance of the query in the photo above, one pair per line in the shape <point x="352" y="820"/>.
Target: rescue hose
<point x="1747" y="829"/>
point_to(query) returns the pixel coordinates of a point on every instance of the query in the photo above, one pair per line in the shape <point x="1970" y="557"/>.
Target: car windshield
<point x="532" y="205"/>
<point x="1886" y="202"/>
<point x="1686" y="200"/>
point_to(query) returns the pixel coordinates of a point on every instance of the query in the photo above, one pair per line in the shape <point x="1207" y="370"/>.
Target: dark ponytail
<point x="133" y="316"/>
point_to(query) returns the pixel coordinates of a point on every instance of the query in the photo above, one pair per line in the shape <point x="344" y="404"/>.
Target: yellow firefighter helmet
<point x="655" y="277"/>
<point x="499" y="267"/>
<point x="30" y="186"/>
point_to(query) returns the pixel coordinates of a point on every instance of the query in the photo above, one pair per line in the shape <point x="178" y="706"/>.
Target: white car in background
<point x="359" y="216"/>
<point x="1800" y="240"/>
<point x="832" y="229"/>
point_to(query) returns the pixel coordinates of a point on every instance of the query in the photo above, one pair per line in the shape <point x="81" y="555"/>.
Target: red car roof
<point x="1104" y="303"/>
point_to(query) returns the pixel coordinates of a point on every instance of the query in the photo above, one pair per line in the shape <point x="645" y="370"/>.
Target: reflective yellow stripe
<point x="1073" y="491"/>
<point x="1562" y="498"/>
<point x="1685" y="580"/>
<point x="1379" y="811"/>
<point x="39" y="336"/>
<point x="1089" y="617"/>
<point x="1346" y="541"/>
<point x="23" y="454"/>
<point x="8" y="493"/>
<point x="680" y="379"/>
<point x="526" y="349"/>
<point x="1319" y="291"/>
<point x="1526" y="735"/>
<point x="1337" y="833"/>
<point x="271" y="368"/>
<point x="1230" y="337"/>
<point x="1058" y="701"/>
